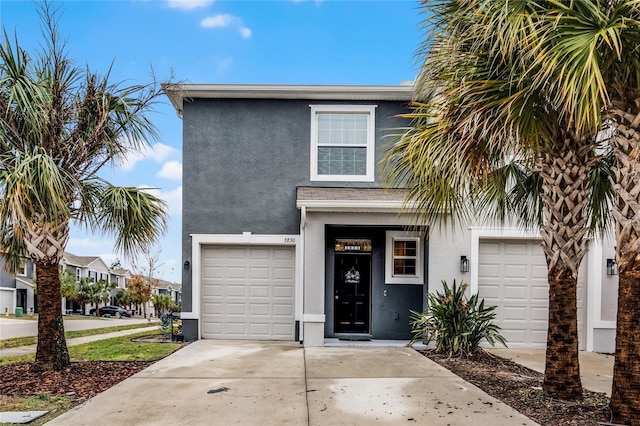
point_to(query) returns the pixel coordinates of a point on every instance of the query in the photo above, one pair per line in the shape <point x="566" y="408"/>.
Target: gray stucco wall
<point x="242" y="161"/>
<point x="6" y="279"/>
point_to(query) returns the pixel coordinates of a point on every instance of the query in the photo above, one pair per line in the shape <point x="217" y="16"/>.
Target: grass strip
<point x="121" y="348"/>
<point x="16" y="342"/>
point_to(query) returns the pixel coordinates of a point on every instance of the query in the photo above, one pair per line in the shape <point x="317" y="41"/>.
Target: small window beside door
<point x="404" y="259"/>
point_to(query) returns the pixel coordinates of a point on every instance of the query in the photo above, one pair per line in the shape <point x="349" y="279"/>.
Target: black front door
<point x="22" y="299"/>
<point x="352" y="292"/>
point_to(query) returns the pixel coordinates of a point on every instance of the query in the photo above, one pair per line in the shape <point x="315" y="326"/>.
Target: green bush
<point x="456" y="323"/>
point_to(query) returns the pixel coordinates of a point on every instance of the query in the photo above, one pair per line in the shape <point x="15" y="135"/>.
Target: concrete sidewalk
<point x="212" y="382"/>
<point x="596" y="370"/>
<point x="31" y="349"/>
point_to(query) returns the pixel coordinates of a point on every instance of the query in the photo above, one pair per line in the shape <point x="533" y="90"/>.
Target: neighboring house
<point x="18" y="289"/>
<point x="94" y="268"/>
<point x="174" y="290"/>
<point x="288" y="233"/>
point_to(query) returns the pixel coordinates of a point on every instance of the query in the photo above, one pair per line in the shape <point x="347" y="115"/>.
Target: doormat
<point x="355" y="338"/>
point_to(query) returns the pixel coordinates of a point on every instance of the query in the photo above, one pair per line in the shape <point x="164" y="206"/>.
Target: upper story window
<point x="404" y="258"/>
<point x="77" y="275"/>
<point x="22" y="268"/>
<point x="343" y="143"/>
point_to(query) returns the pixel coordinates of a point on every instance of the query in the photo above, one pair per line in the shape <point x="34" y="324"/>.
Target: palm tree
<point x="597" y="43"/>
<point x="59" y="125"/>
<point x="477" y="122"/>
<point x="575" y="70"/>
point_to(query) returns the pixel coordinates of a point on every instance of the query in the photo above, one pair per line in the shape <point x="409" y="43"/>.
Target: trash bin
<point x="19" y="312"/>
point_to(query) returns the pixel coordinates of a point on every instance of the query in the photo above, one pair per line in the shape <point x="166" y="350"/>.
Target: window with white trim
<point x="343" y="143"/>
<point x="77" y="275"/>
<point x="404" y="259"/>
<point x="22" y="268"/>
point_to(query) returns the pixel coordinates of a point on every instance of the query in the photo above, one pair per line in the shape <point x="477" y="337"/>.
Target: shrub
<point x="456" y="323"/>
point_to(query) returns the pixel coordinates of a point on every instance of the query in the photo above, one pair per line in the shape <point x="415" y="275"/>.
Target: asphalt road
<point x="10" y="327"/>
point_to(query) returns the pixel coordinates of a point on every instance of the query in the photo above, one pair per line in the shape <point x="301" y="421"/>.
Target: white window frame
<point x="370" y="110"/>
<point x="389" y="277"/>
<point x="78" y="275"/>
<point x="22" y="269"/>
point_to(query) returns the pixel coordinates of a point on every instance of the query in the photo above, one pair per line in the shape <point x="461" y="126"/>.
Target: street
<point x="10" y="327"/>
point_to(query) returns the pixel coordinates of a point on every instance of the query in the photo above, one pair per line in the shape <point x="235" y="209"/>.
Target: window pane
<point x="405" y="248"/>
<point x="404" y="267"/>
<point x="342" y="161"/>
<point x="342" y="129"/>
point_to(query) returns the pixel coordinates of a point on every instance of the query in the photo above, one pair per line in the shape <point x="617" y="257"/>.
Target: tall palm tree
<point x="476" y="113"/>
<point x="590" y="55"/>
<point x="577" y="64"/>
<point x="59" y="125"/>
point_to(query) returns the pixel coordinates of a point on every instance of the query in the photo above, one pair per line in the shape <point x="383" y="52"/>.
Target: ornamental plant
<point x="456" y="323"/>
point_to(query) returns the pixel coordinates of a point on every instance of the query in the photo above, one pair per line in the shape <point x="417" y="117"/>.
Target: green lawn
<point x="32" y="340"/>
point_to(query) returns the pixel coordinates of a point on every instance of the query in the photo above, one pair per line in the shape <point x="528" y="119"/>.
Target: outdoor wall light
<point x="464" y="264"/>
<point x="186" y="264"/>
<point x="612" y="267"/>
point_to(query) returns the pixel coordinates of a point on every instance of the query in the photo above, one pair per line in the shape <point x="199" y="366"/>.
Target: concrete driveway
<point x="212" y="382"/>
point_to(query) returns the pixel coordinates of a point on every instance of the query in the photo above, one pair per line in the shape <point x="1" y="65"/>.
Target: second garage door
<point x="512" y="274"/>
<point x="248" y="292"/>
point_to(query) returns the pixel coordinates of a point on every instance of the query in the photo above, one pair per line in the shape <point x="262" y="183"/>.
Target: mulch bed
<point x="81" y="381"/>
<point x="521" y="388"/>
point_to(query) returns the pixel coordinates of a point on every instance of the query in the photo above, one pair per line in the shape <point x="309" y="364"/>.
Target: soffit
<point x="178" y="93"/>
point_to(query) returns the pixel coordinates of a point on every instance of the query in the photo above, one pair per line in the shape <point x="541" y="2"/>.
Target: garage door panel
<point x="235" y="329"/>
<point x="540" y="314"/>
<point x="253" y="291"/>
<point x="515" y="248"/>
<point x="516" y="271"/>
<point x="260" y="291"/>
<point x="211" y="272"/>
<point x="213" y="290"/>
<point x="259" y="253"/>
<point x="512" y="275"/>
<point x="515" y="293"/>
<point x="282" y="310"/>
<point x="488" y="270"/>
<point x="261" y="273"/>
<point x="212" y="308"/>
<point x="540" y="294"/>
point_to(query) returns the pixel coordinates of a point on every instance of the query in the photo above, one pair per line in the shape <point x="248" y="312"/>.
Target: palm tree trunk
<point x="625" y="394"/>
<point x="52" y="352"/>
<point x="565" y="174"/>
<point x="562" y="366"/>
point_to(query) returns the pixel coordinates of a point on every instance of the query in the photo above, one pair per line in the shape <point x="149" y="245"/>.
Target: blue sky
<point x="206" y="41"/>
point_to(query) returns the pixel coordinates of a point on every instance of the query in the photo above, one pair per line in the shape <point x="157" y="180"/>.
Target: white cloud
<point x="158" y="152"/>
<point x="224" y="20"/>
<point x="245" y="32"/>
<point x="173" y="198"/>
<point x="171" y="170"/>
<point x="216" y="21"/>
<point x="188" y="4"/>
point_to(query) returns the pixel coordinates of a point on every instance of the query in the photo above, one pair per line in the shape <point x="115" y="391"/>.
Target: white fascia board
<point x="354" y="206"/>
<point x="178" y="93"/>
<point x="30" y="284"/>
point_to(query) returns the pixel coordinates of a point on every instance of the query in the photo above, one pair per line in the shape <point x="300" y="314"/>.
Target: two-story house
<point x="17" y="290"/>
<point x="289" y="234"/>
<point x="95" y="269"/>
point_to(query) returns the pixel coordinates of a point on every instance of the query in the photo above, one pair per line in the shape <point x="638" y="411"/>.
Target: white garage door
<point x="512" y="275"/>
<point x="248" y="292"/>
<point x="7" y="300"/>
